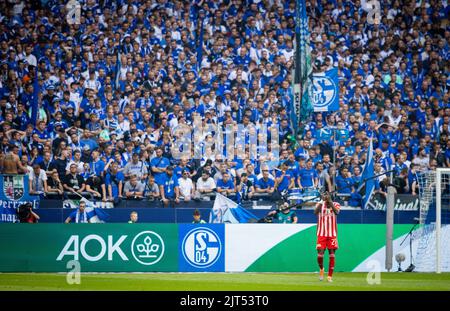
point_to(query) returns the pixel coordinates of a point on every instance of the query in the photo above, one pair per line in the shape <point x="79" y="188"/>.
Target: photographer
<point x="25" y="214"/>
<point x="284" y="215"/>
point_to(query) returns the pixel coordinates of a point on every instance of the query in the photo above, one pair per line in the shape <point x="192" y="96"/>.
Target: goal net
<point x="433" y="236"/>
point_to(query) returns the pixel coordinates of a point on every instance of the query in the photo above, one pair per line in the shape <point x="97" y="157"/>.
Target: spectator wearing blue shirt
<point x="114" y="180"/>
<point x="169" y="188"/>
<point x="284" y="178"/>
<point x="42" y="132"/>
<point x="97" y="166"/>
<point x="308" y="177"/>
<point x="400" y="164"/>
<point x="158" y="166"/>
<point x="344" y="182"/>
<point x="265" y="185"/>
<point x="225" y="185"/>
<point x="78" y="216"/>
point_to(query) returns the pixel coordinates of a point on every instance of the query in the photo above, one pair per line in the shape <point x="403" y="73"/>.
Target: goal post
<point x="433" y="249"/>
<point x="442" y="175"/>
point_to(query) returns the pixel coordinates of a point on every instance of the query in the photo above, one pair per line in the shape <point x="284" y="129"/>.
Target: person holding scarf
<point x="79" y="216"/>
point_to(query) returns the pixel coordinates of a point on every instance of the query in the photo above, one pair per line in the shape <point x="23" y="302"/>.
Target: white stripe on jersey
<point x="326" y="223"/>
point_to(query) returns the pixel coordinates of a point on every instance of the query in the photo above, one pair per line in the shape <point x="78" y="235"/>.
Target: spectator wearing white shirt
<point x="31" y="59"/>
<point x="92" y="83"/>
<point x="206" y="184"/>
<point x="76" y="160"/>
<point x="37" y="180"/>
<point x="421" y="160"/>
<point x="187" y="187"/>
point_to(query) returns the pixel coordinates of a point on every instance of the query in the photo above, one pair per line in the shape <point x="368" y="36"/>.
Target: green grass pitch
<point x="225" y="281"/>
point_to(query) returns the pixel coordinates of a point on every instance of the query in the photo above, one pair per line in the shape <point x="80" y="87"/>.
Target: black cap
<point x="196" y="212"/>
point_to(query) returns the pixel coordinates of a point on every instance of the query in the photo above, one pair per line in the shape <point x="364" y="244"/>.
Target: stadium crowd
<point x="112" y="87"/>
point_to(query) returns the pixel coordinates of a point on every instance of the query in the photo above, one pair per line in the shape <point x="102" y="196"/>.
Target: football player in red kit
<point x="326" y="212"/>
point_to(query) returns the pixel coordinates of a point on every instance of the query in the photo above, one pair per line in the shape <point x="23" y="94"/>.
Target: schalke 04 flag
<point x="302" y="77"/>
<point x="326" y="91"/>
<point x="228" y="211"/>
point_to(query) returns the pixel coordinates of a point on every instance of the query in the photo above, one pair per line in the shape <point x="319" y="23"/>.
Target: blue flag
<point x="200" y="46"/>
<point x="228" y="211"/>
<point x="94" y="213"/>
<point x="367" y="185"/>
<point x="35" y="101"/>
<point x="326" y="90"/>
<point x="239" y="214"/>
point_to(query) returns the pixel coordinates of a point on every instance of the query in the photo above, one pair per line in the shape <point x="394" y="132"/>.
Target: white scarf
<point x="77" y="218"/>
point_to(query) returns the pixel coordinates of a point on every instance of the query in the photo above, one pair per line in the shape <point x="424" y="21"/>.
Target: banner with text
<point x="14" y="191"/>
<point x="403" y="202"/>
<point x="186" y="248"/>
<point x="97" y="247"/>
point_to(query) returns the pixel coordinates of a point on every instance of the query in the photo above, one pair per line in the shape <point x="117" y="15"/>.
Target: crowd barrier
<point x="184" y="215"/>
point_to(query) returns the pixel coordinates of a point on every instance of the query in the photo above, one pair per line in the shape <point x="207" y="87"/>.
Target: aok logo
<point x="201" y="247"/>
<point x="147" y="248"/>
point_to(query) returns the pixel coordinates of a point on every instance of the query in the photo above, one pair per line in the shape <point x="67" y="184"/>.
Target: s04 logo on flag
<point x="326" y="91"/>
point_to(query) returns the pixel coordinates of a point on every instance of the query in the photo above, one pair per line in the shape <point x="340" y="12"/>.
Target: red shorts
<point x="324" y="242"/>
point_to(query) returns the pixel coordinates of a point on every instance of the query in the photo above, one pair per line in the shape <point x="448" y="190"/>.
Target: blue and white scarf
<point x="84" y="218"/>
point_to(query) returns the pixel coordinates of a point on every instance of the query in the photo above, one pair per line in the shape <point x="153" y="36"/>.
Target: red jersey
<point x="326" y="223"/>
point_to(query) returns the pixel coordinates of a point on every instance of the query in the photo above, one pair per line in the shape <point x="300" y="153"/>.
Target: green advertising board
<point x="97" y="247"/>
<point x="174" y="248"/>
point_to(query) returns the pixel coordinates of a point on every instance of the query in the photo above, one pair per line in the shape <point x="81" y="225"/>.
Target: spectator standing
<point x="37" y="181"/>
<point x="169" y="189"/>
